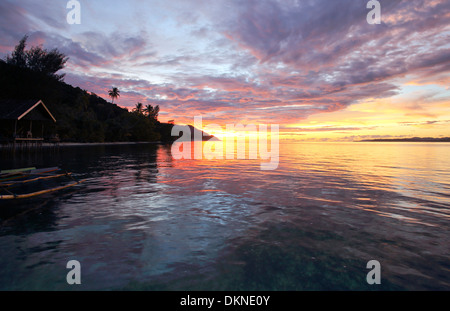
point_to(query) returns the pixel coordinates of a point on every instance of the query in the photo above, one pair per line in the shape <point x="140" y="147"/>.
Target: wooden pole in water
<point x="15" y="135"/>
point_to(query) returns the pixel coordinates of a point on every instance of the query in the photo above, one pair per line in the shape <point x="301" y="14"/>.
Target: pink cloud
<point x="265" y="61"/>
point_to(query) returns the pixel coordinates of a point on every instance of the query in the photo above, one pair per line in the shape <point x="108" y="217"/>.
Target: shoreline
<point x="124" y="143"/>
<point x="119" y="143"/>
<point x="77" y="144"/>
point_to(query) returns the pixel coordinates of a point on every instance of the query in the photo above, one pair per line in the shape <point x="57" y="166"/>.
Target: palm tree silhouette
<point x="148" y="109"/>
<point x="152" y="112"/>
<point x="139" y="108"/>
<point x="114" y="93"/>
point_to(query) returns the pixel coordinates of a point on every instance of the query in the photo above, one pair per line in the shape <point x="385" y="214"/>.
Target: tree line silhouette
<point x="82" y="116"/>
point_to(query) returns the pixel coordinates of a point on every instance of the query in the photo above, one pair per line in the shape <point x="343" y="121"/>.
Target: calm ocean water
<point x="143" y="221"/>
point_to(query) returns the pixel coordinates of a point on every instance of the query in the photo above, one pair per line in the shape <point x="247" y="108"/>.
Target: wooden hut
<point x="22" y="122"/>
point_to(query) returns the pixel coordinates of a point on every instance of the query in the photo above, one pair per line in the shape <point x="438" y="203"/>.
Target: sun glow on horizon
<point x="238" y="63"/>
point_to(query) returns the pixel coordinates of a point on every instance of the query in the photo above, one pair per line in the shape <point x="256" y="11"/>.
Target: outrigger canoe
<point x="10" y="180"/>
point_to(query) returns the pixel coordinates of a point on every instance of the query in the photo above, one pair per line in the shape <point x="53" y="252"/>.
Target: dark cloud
<point x="13" y="24"/>
<point x="261" y="60"/>
<point x="422" y="123"/>
<point x="18" y="18"/>
<point x="333" y="39"/>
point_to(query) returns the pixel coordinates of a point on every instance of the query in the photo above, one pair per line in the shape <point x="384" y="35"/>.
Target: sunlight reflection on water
<point x="143" y="220"/>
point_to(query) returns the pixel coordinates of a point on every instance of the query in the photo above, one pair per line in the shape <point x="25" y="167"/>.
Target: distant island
<point x="195" y="134"/>
<point x="412" y="139"/>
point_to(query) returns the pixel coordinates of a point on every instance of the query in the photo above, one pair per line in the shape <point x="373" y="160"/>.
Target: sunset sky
<point x="316" y="68"/>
